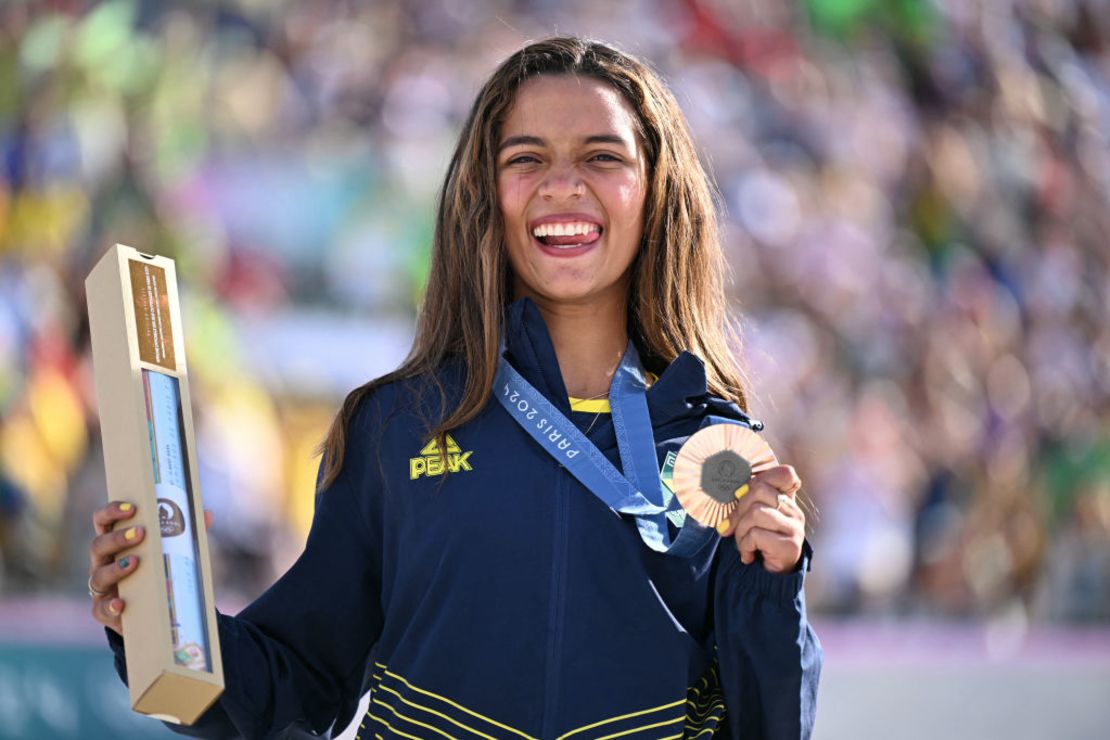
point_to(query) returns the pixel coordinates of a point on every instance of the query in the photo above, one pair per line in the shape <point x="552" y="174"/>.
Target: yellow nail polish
<point x="723" y="527"/>
<point x="130" y="534"/>
<point x="126" y="507"/>
<point x="742" y="490"/>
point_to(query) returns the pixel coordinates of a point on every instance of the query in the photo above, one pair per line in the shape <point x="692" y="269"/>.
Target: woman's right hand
<point x="105" y="571"/>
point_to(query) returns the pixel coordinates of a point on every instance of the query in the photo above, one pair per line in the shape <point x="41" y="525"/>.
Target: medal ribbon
<point x="639" y="490"/>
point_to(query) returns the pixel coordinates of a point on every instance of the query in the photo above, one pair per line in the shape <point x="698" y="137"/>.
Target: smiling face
<point x="571" y="183"/>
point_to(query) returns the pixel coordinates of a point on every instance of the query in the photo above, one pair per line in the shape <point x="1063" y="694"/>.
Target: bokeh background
<point x="917" y="207"/>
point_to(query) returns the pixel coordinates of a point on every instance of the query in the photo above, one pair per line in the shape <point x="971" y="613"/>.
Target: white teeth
<point x="565" y="229"/>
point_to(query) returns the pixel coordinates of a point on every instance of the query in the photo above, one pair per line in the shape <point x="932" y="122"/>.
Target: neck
<point x="589" y="340"/>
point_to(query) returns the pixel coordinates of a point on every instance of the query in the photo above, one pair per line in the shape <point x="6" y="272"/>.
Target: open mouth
<point x="567" y="236"/>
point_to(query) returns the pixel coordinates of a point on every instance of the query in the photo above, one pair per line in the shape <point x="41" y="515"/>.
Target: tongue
<point x="560" y="241"/>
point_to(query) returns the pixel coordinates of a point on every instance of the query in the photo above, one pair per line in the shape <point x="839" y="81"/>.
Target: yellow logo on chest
<point x="431" y="462"/>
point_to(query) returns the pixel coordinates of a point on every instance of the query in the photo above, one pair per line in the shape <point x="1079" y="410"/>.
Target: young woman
<point x="461" y="565"/>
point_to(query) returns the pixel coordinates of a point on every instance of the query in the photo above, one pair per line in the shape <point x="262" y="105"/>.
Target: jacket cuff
<point x="116" y="643"/>
<point x="783" y="587"/>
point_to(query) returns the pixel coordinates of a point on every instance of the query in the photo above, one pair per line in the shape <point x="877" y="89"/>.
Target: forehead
<point x="567" y="107"/>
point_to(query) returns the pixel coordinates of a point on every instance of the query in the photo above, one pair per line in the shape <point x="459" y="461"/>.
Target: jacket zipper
<point x="556" y="611"/>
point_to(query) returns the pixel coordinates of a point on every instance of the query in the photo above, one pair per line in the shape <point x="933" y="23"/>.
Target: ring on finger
<point x="94" y="592"/>
<point x="781" y="499"/>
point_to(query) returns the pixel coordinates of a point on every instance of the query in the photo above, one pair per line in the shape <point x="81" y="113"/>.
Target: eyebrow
<point x="537" y="141"/>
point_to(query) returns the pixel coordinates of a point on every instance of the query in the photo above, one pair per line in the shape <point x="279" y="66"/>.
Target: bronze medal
<point x="712" y="464"/>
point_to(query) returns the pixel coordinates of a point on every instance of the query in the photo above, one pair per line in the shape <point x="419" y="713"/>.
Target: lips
<point x="566" y="233"/>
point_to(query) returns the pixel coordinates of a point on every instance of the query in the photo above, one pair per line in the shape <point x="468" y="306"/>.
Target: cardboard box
<point x="142" y="389"/>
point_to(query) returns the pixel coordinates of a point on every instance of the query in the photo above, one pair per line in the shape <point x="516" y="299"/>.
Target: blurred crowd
<point x="917" y="205"/>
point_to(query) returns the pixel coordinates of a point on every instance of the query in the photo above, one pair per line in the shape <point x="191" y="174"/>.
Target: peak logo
<point x="431" y="462"/>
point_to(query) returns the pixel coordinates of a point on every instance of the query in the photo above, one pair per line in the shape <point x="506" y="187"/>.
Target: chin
<point x="567" y="292"/>
<point x="566" y="286"/>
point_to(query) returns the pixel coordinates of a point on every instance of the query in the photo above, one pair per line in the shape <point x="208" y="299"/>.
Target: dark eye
<point x="522" y="159"/>
<point x="609" y="157"/>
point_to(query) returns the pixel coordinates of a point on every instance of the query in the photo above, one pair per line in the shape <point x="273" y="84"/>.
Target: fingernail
<point x="722" y="527"/>
<point x="126" y="507"/>
<point x="113" y="606"/>
<point x="124" y="562"/>
<point x="131" y="533"/>
<point x="742" y="490"/>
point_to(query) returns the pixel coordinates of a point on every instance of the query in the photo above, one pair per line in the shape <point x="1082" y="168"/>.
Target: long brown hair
<point x="677" y="299"/>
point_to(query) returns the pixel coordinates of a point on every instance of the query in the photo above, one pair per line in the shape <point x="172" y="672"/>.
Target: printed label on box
<point x="152" y="314"/>
<point x="175" y="520"/>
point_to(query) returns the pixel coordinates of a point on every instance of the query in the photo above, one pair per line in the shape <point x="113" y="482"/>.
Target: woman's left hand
<point x="769" y="520"/>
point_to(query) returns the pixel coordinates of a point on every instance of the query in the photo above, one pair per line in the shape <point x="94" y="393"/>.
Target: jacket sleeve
<point x="295" y="659"/>
<point x="769" y="656"/>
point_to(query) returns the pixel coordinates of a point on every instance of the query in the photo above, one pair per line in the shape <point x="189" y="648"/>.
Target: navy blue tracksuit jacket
<point x="504" y="600"/>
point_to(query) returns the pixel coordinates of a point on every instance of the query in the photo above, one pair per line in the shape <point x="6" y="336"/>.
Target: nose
<point x="562" y="181"/>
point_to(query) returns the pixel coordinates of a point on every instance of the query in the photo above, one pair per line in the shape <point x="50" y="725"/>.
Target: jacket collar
<point x="680" y="391"/>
